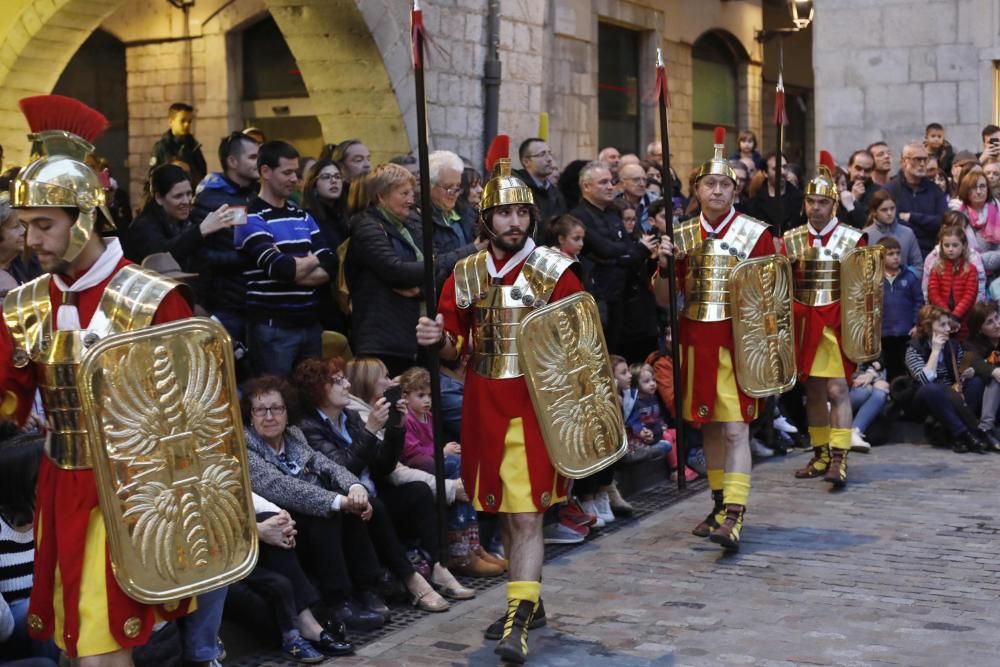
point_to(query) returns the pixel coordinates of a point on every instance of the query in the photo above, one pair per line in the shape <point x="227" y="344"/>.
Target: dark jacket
<point x="365" y="451"/>
<point x="758" y="161"/>
<point x="901" y="301"/>
<point x="926" y="204"/>
<point x="945" y="156"/>
<point x="379" y="261"/>
<point x="219" y="264"/>
<point x="984" y="355"/>
<point x="919" y="351"/>
<point x="333" y="227"/>
<point x="452" y="242"/>
<point x="185" y="148"/>
<point x="764" y="207"/>
<point x="611" y="252"/>
<point x="859" y="216"/>
<point x="153" y="232"/>
<point x="549" y="200"/>
<point x="311" y="489"/>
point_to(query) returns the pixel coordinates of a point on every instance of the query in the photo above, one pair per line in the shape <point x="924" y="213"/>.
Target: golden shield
<point x="170" y="459"/>
<point x="760" y="293"/>
<point x="861" y="303"/>
<point x="564" y="358"/>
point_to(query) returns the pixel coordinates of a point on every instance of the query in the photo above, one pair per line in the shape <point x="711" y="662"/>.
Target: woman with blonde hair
<point x="385" y="269"/>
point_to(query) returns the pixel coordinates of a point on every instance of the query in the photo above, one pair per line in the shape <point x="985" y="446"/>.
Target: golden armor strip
<point x="542" y="271"/>
<point x="28" y="315"/>
<point x="471" y="279"/>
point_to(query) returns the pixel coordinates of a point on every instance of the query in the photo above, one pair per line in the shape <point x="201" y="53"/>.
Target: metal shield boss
<point x="565" y="362"/>
<point x="760" y="293"/>
<point x="170" y="459"/>
<point x="861" y="303"/>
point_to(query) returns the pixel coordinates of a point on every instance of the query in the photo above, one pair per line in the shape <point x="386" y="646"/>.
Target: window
<point x="618" y="88"/>
<point x="269" y="68"/>
<point x="715" y="94"/>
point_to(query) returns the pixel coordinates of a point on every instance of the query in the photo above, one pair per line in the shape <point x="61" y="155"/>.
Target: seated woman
<point x="329" y="503"/>
<point x="334" y="430"/>
<point x="933" y="358"/>
<point x="982" y="350"/>
<point x="868" y="394"/>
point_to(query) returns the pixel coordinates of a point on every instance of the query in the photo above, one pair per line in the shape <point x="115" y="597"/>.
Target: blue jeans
<point x="867" y="403"/>
<point x="200" y="629"/>
<point x="235" y="323"/>
<point x="21" y="648"/>
<point x="276" y="349"/>
<point x="947" y="406"/>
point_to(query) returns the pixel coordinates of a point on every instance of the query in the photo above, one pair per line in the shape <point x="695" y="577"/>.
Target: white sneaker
<point x="858" y="442"/>
<point x="590" y="507"/>
<point x="783" y="425"/>
<point x="759" y="450"/>
<point x="603" y="504"/>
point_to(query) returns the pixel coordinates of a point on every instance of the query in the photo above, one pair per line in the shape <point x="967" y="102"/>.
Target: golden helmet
<point x="718" y="165"/>
<point x="823" y="183"/>
<point x="503" y="188"/>
<point x="58" y="175"/>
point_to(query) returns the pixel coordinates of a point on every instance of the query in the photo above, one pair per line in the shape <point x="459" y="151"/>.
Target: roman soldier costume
<point x="111" y="556"/>
<point x="838" y="303"/>
<point x="735" y="334"/>
<point x="532" y="415"/>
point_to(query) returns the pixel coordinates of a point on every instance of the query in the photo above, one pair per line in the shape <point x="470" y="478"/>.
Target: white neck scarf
<point x="517" y="258"/>
<point x="725" y="221"/>
<point x="817" y="243"/>
<point x="68" y="317"/>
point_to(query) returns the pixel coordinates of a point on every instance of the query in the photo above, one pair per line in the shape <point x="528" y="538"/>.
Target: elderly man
<point x="612" y="159"/>
<point x="633" y="182"/>
<point x="654" y="152"/>
<point x="607" y="247"/>
<point x="919" y="202"/>
<point x="538" y="166"/>
<point x="454" y="229"/>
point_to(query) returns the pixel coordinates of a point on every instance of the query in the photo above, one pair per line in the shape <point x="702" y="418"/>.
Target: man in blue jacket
<point x="902" y="300"/>
<point x="919" y="202"/>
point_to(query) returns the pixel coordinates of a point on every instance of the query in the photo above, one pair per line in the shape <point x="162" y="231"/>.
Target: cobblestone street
<point x="901" y="569"/>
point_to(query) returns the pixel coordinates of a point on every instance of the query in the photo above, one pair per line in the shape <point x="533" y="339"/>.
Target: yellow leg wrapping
<point x="524" y="590"/>
<point x="820" y="435"/>
<point x="715" y="476"/>
<point x="736" y="488"/>
<point x="840" y="438"/>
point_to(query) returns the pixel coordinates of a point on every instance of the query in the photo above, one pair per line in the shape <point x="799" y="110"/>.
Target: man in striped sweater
<point x="287" y="260"/>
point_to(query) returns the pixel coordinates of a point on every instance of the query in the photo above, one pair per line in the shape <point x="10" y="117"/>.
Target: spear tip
<point x="659" y="57"/>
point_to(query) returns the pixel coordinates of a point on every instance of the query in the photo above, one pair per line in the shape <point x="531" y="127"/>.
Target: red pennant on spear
<point x="780" y="114"/>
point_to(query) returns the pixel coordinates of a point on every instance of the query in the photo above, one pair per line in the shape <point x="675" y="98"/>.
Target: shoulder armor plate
<point x="133" y="295"/>
<point x="797" y="241"/>
<point x="687" y="235"/>
<point x="471" y="279"/>
<point x="542" y="271"/>
<point x="27" y="311"/>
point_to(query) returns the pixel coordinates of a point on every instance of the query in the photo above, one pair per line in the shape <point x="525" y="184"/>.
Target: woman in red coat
<point x="953" y="283"/>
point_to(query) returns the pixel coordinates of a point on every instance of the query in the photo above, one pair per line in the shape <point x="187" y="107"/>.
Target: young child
<point x="953" y="283"/>
<point x="902" y="300"/>
<point x="748" y="153"/>
<point x="938" y="147"/>
<point x="566" y="233"/>
<point x="645" y="422"/>
<point x="466" y="554"/>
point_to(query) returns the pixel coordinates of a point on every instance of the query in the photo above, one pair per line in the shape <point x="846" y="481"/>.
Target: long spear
<point x="668" y="194"/>
<point x="418" y="37"/>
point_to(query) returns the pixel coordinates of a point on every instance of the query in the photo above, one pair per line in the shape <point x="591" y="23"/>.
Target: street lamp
<point x="802" y="15"/>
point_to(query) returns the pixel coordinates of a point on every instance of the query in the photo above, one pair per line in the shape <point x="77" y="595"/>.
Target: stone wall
<point x="884" y="70"/>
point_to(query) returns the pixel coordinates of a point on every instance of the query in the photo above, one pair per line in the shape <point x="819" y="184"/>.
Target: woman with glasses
<point x="984" y="216"/>
<point x="328" y="503"/>
<point x="403" y="510"/>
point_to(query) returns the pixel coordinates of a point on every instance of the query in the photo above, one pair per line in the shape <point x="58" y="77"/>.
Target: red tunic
<point x="705" y="338"/>
<point x="810" y="321"/>
<point x="66" y="498"/>
<point x="488" y="406"/>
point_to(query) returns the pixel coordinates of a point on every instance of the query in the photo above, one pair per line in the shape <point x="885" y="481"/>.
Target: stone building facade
<point x="354" y="61"/>
<point x="886" y="69"/>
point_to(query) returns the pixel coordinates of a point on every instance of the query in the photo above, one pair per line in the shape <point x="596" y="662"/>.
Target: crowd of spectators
<point x="315" y="268"/>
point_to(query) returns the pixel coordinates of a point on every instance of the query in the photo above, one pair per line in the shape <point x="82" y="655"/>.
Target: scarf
<point x="714" y="231"/>
<point x="403" y="231"/>
<point x="988" y="228"/>
<point x="512" y="262"/>
<point x="68" y="317"/>
<point x="828" y="229"/>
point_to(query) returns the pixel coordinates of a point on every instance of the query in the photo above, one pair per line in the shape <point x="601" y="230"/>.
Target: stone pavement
<point x="900" y="569"/>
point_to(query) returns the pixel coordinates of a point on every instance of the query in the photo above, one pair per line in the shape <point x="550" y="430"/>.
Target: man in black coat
<point x="608" y="248"/>
<point x="538" y="164"/>
<point x="764" y="205"/>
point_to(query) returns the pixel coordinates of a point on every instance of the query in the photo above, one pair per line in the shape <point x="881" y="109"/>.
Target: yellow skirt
<point x="514" y="476"/>
<point x="827" y="363"/>
<point x="727" y="397"/>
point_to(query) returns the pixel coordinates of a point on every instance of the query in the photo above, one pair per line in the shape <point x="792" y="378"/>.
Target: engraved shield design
<point x="170" y="459"/>
<point x="760" y="291"/>
<point x="861" y="303"/>
<point x="565" y="362"/>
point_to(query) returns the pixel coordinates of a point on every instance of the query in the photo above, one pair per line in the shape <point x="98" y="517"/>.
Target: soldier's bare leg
<point x="527" y="548"/>
<point x="527" y="552"/>
<point x="122" y="658"/>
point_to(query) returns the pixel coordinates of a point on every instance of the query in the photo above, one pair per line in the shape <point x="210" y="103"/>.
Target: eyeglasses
<point x="636" y="179"/>
<point x="980" y="186"/>
<point x="454" y="190"/>
<point x="338" y="380"/>
<point x="275" y="410"/>
<point x="329" y="177"/>
<point x="538" y="155"/>
<point x="917" y="159"/>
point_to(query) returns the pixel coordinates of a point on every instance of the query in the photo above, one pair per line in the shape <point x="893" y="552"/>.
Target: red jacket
<point x="955" y="292"/>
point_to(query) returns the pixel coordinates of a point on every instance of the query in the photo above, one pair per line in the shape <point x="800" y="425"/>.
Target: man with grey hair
<point x="607" y="250"/>
<point x="454" y="226"/>
<point x="920" y="204"/>
<point x="612" y="159"/>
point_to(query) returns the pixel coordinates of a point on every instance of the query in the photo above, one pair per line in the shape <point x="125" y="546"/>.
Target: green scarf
<point x="401" y="228"/>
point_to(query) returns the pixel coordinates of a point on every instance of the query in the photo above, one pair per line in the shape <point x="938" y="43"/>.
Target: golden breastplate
<point x="499" y="309"/>
<point x="710" y="263"/>
<point x="817" y="268"/>
<point x="129" y="302"/>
